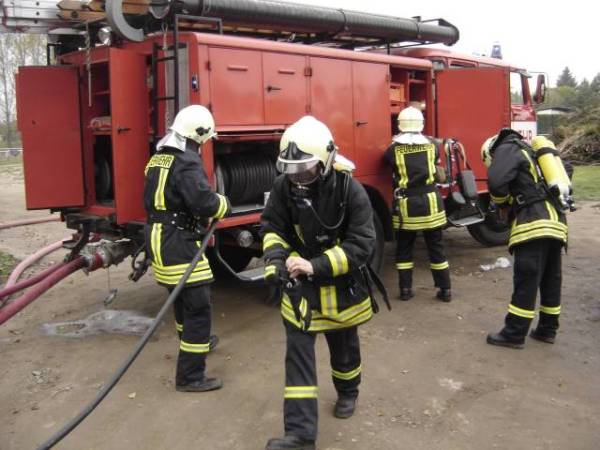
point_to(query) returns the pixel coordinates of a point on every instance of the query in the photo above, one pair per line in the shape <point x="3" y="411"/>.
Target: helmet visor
<point x="304" y="178"/>
<point x="292" y="160"/>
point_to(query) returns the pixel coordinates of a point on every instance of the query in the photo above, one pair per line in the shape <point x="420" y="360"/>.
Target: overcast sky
<point x="540" y="36"/>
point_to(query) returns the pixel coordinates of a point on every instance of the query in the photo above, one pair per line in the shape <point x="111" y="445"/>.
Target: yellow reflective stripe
<point x="270" y="239"/>
<point x="328" y="298"/>
<point x="155" y="242"/>
<point x="432" y="203"/>
<point x="404" y="208"/>
<point x="552" y="215"/>
<point x="520" y="312"/>
<point x="421" y="222"/>
<point x="536" y="235"/>
<point x="338" y="260"/>
<point x="301" y="392"/>
<point x="159" y="194"/>
<point x="555" y="310"/>
<point x="179" y="269"/>
<point x="222" y="207"/>
<point x="532" y="169"/>
<point x="537" y="224"/>
<point x="178" y="326"/>
<point x="499" y="200"/>
<point x="355" y="315"/>
<point x="439" y="266"/>
<point x="346" y="375"/>
<point x="405" y="265"/>
<point x="194" y="348"/>
<point x="401" y="164"/>
<point x="270" y="270"/>
<point x="431" y="164"/>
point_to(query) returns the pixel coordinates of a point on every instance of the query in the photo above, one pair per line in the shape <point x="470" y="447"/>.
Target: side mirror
<point x="540" y="90"/>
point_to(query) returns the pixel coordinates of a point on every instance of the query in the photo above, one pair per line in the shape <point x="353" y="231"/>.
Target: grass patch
<point x="7" y="264"/>
<point x="586" y="183"/>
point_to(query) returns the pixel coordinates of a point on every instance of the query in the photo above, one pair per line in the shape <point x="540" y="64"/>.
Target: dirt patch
<point x="429" y="379"/>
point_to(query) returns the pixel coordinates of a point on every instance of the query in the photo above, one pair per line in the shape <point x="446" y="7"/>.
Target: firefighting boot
<point x="406" y="294"/>
<point x="544" y="335"/>
<point x="344" y="406"/>
<point x="290" y="442"/>
<point x="505" y="341"/>
<point x="444" y="294"/>
<point x="204" y="385"/>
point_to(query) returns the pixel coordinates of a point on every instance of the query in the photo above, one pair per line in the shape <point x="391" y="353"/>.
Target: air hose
<point x="110" y="384"/>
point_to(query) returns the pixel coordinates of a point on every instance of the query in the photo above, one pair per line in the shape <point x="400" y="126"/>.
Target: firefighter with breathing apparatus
<point x="179" y="203"/>
<point x="530" y="185"/>
<point x="318" y="232"/>
<point x="417" y="203"/>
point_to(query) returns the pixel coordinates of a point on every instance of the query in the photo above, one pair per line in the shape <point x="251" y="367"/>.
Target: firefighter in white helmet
<point x="538" y="233"/>
<point x="178" y="202"/>
<point x="318" y="232"/>
<point x="417" y="203"/>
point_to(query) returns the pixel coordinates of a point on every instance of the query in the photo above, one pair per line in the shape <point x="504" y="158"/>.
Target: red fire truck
<point x="90" y="121"/>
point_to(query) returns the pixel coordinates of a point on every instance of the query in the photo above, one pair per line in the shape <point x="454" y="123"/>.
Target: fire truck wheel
<point x="377" y="256"/>
<point x="489" y="232"/>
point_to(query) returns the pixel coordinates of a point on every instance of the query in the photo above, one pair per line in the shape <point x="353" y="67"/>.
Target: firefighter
<point x="417" y="204"/>
<point x="538" y="233"/>
<point x="178" y="202"/>
<point x="318" y="232"/>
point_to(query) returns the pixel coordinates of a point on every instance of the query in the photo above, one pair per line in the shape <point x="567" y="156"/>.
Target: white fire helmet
<point x="304" y="145"/>
<point x="410" y="120"/>
<point x="193" y="122"/>
<point x="486" y="155"/>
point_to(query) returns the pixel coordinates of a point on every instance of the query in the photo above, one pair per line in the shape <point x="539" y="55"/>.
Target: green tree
<point x="566" y="78"/>
<point x="15" y="51"/>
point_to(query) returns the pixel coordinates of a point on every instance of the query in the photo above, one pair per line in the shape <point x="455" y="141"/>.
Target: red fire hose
<point x="18" y="270"/>
<point x="19" y="223"/>
<point x="23" y="284"/>
<point x="18" y="304"/>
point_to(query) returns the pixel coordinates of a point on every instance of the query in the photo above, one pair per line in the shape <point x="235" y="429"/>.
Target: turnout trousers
<point x="192" y="320"/>
<point x="537" y="266"/>
<point x="440" y="269"/>
<point x="300" y="408"/>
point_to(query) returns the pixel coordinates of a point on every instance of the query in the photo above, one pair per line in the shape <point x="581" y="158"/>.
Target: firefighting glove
<point x="275" y="272"/>
<point x="302" y="312"/>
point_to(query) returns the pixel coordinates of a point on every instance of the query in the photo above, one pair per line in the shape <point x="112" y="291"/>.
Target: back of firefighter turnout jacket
<point x="537" y="234"/>
<point x="417" y="206"/>
<point x="178" y="200"/>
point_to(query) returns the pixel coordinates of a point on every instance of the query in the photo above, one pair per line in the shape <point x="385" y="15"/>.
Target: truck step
<point x="465" y="221"/>
<point x="256" y="274"/>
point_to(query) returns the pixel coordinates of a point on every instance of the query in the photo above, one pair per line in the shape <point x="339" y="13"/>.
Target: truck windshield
<point x="516" y="89"/>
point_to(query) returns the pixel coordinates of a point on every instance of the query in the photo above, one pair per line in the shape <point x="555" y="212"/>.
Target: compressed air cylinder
<point x="552" y="168"/>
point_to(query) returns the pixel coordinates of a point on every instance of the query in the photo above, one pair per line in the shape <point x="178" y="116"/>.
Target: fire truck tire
<point x="489" y="232"/>
<point x="377" y="256"/>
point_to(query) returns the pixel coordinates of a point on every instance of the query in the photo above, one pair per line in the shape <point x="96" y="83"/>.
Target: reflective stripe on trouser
<point x="300" y="410"/>
<point x="344" y="355"/>
<point x="404" y="246"/>
<point x="300" y="399"/>
<point x="537" y="266"/>
<point x="440" y="269"/>
<point x="193" y="313"/>
<point x="405" y="241"/>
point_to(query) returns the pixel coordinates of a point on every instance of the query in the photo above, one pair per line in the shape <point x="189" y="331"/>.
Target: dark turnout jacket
<point x="177" y="183"/>
<point x="336" y="294"/>
<point x="417" y="204"/>
<point x="514" y="181"/>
